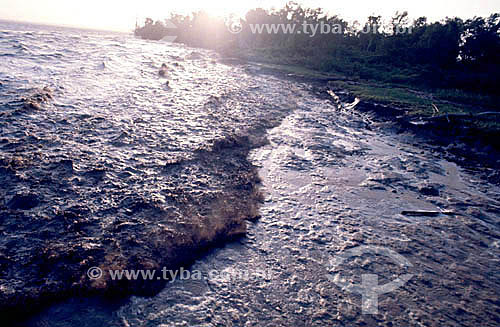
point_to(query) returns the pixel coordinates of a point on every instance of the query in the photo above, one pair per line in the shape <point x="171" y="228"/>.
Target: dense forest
<point x="452" y="53"/>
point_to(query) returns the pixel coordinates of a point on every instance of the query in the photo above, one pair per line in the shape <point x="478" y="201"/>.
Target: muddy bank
<point x="458" y="140"/>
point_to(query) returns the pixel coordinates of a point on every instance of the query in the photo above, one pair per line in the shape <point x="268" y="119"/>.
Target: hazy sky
<point x="121" y="14"/>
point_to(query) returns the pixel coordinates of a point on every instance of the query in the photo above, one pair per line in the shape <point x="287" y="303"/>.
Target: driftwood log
<point x="423" y="213"/>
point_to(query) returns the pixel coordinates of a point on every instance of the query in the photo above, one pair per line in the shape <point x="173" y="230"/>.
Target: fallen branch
<point x="436" y="110"/>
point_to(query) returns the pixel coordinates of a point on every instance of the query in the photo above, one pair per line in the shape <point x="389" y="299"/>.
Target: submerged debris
<point x="163" y="70"/>
<point x="429" y="190"/>
<point x="23" y="202"/>
<point x="35" y="101"/>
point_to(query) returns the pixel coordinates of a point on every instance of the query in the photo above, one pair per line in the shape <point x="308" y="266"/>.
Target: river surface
<point x="341" y="190"/>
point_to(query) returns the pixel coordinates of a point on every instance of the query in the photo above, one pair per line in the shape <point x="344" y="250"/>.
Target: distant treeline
<point x="452" y="53"/>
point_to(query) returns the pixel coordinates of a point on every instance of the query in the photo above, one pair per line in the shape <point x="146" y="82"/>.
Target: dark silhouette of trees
<point x="152" y="30"/>
<point x="482" y="42"/>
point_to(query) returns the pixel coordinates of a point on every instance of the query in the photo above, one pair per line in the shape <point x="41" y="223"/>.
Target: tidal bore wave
<point x="105" y="165"/>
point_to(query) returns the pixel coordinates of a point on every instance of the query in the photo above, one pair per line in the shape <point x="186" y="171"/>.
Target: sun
<point x="235" y="7"/>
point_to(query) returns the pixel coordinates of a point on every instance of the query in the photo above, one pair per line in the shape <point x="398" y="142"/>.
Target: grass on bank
<point x="418" y="102"/>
